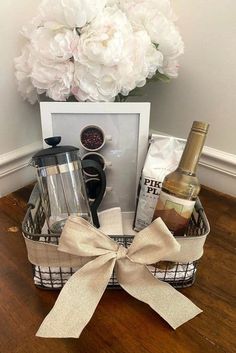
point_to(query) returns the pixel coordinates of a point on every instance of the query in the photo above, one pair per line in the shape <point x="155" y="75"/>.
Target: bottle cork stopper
<point x="200" y="126"/>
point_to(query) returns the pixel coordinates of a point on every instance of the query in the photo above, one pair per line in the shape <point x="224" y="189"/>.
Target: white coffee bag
<point x="162" y="158"/>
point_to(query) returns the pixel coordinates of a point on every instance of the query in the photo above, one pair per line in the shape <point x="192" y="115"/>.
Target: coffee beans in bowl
<point x="92" y="138"/>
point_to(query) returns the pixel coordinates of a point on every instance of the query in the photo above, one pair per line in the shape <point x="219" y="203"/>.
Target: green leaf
<point x="159" y="77"/>
<point x="156" y="45"/>
<point x="120" y="98"/>
<point x="137" y="92"/>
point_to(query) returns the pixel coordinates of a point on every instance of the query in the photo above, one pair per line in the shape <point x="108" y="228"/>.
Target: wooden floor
<point x="122" y="324"/>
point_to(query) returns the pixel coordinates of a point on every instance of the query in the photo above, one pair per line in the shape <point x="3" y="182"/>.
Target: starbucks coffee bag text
<point x="162" y="158"/>
<point x="153" y="186"/>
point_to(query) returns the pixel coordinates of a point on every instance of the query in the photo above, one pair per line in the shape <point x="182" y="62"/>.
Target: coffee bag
<point x="162" y="158"/>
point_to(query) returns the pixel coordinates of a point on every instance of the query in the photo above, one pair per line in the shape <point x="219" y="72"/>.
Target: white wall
<point x="20" y="122"/>
<point x="205" y="89"/>
<point x="20" y="130"/>
<point x="206" y="86"/>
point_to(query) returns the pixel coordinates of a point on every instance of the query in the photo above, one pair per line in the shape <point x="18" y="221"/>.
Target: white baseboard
<point x="218" y="160"/>
<point x="14" y="168"/>
<point x="217" y="169"/>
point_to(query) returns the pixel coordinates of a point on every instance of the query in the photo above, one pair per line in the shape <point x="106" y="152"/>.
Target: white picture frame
<point x="73" y="116"/>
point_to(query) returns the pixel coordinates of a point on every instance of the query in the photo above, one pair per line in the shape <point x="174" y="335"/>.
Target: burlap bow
<point x="80" y="296"/>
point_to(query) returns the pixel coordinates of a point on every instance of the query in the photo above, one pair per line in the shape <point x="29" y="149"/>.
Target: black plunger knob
<point x="53" y="141"/>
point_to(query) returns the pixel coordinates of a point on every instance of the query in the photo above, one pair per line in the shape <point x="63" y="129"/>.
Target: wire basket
<point x="180" y="276"/>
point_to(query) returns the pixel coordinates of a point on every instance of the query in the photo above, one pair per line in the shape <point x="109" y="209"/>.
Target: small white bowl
<point x="102" y="134"/>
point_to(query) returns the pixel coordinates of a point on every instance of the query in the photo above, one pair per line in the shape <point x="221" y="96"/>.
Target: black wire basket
<point x="179" y="275"/>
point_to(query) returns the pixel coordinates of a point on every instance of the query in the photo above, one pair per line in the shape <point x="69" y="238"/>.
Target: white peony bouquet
<point x="97" y="50"/>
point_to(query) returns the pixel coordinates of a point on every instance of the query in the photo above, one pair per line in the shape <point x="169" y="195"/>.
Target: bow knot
<point x="121" y="252"/>
<point x="81" y="294"/>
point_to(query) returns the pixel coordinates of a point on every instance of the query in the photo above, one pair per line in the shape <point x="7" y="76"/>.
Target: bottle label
<point x="174" y="211"/>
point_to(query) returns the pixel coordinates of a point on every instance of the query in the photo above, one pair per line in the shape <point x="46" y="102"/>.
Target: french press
<point x="62" y="186"/>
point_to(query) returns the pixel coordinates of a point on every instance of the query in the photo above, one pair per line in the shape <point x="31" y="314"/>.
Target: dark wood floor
<point x="122" y="324"/>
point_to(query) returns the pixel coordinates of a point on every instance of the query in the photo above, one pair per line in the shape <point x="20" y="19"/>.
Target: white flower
<point x="36" y="76"/>
<point x="170" y="44"/>
<point x="55" y="79"/>
<point x="170" y="67"/>
<point x="96" y="49"/>
<point x="112" y="58"/>
<point x="162" y="6"/>
<point x="54" y="45"/>
<point x="104" y="46"/>
<point x="31" y="27"/>
<point x="162" y="31"/>
<point x="141" y="63"/>
<point x="70" y="13"/>
<point x="23" y="66"/>
<point x="104" y="41"/>
<point x="156" y="18"/>
<point x="103" y="83"/>
<point x="101" y="87"/>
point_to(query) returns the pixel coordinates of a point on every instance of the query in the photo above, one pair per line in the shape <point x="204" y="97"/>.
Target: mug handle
<point x="88" y="163"/>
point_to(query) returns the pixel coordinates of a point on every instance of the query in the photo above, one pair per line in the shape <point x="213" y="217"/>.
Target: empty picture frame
<point x="125" y="130"/>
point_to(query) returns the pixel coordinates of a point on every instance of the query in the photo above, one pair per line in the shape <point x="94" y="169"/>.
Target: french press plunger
<point x="62" y="186"/>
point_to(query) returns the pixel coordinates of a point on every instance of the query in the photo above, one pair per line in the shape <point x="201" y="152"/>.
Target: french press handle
<point x="88" y="163"/>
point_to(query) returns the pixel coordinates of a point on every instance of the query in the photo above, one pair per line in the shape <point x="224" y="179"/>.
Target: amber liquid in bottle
<point x="181" y="187"/>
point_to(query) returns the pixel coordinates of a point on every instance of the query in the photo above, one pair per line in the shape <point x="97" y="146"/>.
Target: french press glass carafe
<point x="62" y="186"/>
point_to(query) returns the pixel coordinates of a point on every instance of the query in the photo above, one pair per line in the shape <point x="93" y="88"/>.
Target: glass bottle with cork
<point x="181" y="187"/>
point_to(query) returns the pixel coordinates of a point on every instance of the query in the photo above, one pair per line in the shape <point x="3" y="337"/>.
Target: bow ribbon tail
<point x="78" y="299"/>
<point x="170" y="304"/>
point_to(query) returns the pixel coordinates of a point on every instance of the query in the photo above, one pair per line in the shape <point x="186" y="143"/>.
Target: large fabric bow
<point x="80" y="296"/>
